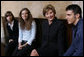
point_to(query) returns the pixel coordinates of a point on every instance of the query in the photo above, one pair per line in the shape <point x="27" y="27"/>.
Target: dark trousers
<point x="10" y="47"/>
<point x="25" y="51"/>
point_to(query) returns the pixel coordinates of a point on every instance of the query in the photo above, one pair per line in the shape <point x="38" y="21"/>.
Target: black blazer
<point x="13" y="34"/>
<point x="53" y="42"/>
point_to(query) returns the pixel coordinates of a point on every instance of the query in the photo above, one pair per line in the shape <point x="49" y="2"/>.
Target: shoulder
<point x="15" y="21"/>
<point x="33" y="22"/>
<point x="80" y="26"/>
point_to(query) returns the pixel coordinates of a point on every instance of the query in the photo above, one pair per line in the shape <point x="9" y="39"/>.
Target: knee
<point x="34" y="53"/>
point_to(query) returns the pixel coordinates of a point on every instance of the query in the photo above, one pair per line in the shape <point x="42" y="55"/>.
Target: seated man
<point x="73" y="16"/>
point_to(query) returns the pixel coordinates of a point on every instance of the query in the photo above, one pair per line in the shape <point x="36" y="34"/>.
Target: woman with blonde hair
<point x="53" y="34"/>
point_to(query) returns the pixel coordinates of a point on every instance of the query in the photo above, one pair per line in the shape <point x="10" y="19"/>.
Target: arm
<point x="70" y="51"/>
<point x="79" y="51"/>
<point x="20" y="38"/>
<point x="79" y="43"/>
<point x="33" y="33"/>
<point x="20" y="34"/>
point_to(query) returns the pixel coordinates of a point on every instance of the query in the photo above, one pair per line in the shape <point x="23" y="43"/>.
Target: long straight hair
<point x="28" y="23"/>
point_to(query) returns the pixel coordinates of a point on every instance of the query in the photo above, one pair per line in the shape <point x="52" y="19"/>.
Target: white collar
<point x="11" y="25"/>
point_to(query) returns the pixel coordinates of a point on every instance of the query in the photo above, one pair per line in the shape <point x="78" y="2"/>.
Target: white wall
<point x="2" y="33"/>
<point x="35" y="7"/>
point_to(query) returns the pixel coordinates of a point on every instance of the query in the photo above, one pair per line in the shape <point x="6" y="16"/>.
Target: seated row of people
<point x="21" y="34"/>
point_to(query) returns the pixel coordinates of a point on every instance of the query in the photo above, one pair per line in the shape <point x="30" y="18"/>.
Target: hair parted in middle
<point x="28" y="22"/>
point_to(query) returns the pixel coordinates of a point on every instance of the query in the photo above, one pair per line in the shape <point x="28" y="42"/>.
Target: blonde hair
<point x="47" y="8"/>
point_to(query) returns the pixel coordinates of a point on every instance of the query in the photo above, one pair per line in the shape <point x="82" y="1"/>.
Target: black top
<point x="52" y="38"/>
<point x="13" y="34"/>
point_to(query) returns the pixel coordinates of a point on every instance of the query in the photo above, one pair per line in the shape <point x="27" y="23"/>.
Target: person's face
<point x="70" y="17"/>
<point x="50" y="15"/>
<point x="9" y="18"/>
<point x="24" y="14"/>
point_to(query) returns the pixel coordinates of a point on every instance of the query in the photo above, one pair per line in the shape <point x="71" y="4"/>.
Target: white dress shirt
<point x="11" y="25"/>
<point x="28" y="35"/>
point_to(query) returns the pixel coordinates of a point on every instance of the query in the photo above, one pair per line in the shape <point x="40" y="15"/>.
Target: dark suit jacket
<point x="13" y="34"/>
<point x="53" y="42"/>
<point x="76" y="48"/>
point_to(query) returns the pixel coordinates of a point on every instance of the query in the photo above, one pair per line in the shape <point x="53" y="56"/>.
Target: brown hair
<point x="47" y="8"/>
<point x="8" y="13"/>
<point x="28" y="22"/>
